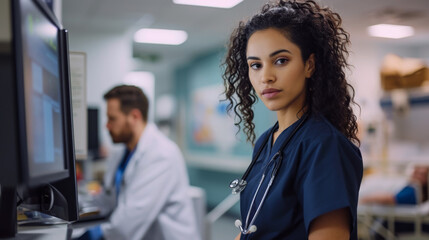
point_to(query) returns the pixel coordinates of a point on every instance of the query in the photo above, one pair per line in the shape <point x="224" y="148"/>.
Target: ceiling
<point x="209" y="28"/>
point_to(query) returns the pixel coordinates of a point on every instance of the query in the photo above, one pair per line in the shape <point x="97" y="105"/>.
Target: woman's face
<point x="277" y="71"/>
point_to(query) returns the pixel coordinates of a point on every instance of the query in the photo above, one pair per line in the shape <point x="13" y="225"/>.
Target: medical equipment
<point x="238" y="185"/>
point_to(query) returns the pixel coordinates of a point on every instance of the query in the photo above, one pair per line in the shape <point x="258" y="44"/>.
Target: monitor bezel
<point x="26" y="178"/>
<point x="68" y="186"/>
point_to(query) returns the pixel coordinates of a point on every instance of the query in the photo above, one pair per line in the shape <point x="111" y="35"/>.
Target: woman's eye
<point x="255" y="65"/>
<point x="281" y="61"/>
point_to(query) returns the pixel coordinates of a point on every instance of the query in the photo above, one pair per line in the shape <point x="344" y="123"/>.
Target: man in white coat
<point x="148" y="178"/>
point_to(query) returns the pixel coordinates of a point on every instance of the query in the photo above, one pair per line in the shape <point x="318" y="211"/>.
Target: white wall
<point x="365" y="79"/>
<point x="109" y="59"/>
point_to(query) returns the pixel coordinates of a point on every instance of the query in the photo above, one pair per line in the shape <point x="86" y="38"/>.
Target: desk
<point x="79" y="228"/>
<point x="52" y="232"/>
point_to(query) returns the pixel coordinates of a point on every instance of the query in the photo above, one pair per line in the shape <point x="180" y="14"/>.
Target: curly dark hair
<point x="315" y="30"/>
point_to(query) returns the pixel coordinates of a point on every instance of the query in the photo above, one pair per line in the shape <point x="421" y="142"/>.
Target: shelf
<point x="416" y="96"/>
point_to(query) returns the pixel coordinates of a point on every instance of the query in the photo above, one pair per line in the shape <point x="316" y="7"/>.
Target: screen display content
<point x="43" y="108"/>
<point x="37" y="170"/>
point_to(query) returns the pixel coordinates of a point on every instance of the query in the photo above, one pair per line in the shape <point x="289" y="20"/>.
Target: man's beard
<point x="124" y="136"/>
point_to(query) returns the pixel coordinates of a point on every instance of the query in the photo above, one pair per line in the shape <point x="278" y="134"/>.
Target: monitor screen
<point x="42" y="92"/>
<point x="37" y="163"/>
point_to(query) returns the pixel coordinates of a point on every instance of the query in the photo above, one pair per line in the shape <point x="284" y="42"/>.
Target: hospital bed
<point x="370" y="216"/>
<point x="416" y="214"/>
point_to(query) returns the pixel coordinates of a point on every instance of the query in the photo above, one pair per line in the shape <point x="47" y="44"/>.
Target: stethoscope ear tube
<point x="235" y="184"/>
<point x="239" y="185"/>
<point x="246" y="173"/>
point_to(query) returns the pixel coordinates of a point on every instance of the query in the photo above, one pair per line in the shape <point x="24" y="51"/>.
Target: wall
<point x="209" y="166"/>
<point x="202" y="72"/>
<point x="109" y="59"/>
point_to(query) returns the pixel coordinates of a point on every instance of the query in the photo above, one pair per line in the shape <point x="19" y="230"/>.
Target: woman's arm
<point x="333" y="225"/>
<point x="238" y="237"/>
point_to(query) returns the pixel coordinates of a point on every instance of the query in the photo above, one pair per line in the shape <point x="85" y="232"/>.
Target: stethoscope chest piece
<point x="238" y="185"/>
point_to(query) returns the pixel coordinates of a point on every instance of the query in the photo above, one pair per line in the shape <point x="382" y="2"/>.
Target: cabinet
<point x="408" y="109"/>
<point x="407" y="112"/>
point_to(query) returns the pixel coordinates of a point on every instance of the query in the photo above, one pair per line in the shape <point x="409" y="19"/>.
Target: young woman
<point x="306" y="171"/>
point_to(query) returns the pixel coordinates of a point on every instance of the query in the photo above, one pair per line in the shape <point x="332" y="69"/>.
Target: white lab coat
<point x="153" y="203"/>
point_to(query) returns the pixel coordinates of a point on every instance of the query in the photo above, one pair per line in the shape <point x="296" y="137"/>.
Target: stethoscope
<point x="238" y="185"/>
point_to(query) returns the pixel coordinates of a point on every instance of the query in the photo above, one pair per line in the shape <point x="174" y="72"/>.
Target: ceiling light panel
<point x="160" y="36"/>
<point x="390" y="31"/>
<point x="209" y="3"/>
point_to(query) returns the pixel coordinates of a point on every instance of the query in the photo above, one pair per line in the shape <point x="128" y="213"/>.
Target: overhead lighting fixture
<point x="209" y="3"/>
<point x="160" y="36"/>
<point x="390" y="31"/>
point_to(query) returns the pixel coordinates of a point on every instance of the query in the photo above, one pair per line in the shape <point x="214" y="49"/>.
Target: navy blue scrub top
<point x="321" y="171"/>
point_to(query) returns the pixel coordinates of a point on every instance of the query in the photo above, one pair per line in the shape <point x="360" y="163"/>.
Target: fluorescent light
<point x="209" y="3"/>
<point x="160" y="36"/>
<point x="390" y="31"/>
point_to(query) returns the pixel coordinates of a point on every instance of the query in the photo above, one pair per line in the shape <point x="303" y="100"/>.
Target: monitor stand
<point x="8" y="214"/>
<point x="46" y="199"/>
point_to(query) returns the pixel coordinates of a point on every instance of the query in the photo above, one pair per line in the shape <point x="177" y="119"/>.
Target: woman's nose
<point x="268" y="75"/>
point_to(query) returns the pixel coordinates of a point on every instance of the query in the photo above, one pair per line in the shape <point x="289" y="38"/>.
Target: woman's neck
<point x="286" y="119"/>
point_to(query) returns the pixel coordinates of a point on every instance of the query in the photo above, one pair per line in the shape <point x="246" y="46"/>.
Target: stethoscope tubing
<point x="246" y="173"/>
<point x="263" y="197"/>
<point x="273" y="174"/>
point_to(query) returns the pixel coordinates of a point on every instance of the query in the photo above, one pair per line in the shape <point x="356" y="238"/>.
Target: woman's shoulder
<point x="319" y="130"/>
<point x="319" y="126"/>
<point x="322" y="142"/>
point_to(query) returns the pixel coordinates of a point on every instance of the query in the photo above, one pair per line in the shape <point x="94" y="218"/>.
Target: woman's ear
<point x="310" y="66"/>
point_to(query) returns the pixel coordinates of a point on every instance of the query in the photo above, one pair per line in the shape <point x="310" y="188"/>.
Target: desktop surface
<point x="46" y="232"/>
<point x="93" y="205"/>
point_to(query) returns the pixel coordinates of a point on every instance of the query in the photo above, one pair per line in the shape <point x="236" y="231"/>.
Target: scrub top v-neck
<point x="321" y="171"/>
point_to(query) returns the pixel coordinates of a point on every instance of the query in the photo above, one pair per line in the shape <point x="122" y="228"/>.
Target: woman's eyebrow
<point x="271" y="54"/>
<point x="279" y="51"/>
<point x="253" y="58"/>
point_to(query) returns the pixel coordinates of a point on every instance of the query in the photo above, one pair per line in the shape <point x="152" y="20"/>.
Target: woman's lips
<point x="270" y="92"/>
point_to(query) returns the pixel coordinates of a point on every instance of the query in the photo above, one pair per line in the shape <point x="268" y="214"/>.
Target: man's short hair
<point x="130" y="97"/>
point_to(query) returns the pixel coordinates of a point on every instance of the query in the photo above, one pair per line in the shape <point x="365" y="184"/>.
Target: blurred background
<point x="184" y="84"/>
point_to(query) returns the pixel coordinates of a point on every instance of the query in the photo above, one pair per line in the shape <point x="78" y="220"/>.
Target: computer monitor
<point x="93" y="132"/>
<point x="37" y="149"/>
